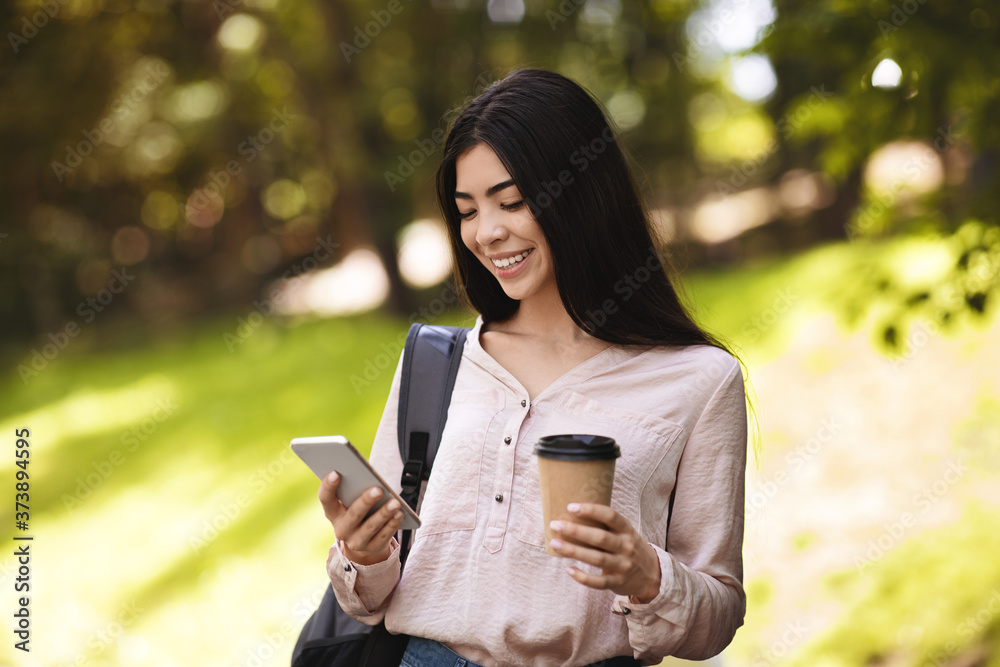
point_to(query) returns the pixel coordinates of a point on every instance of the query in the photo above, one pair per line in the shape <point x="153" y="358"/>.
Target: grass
<point x="934" y="600"/>
<point x="168" y="512"/>
<point x="155" y="469"/>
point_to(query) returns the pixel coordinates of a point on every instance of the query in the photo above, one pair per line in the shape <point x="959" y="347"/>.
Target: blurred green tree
<point x="908" y="132"/>
<point x="210" y="148"/>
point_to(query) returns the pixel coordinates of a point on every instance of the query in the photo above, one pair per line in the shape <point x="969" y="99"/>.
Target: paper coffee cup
<point x="574" y="468"/>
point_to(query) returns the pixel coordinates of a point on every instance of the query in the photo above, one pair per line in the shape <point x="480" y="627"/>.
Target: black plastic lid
<point x="577" y="447"/>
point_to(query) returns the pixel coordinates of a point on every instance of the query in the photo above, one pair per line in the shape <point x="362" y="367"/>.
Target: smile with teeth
<point x="512" y="261"/>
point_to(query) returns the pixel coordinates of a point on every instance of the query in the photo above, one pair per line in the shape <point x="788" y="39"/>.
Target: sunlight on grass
<point x="932" y="600"/>
<point x="91" y="412"/>
<point x="137" y="511"/>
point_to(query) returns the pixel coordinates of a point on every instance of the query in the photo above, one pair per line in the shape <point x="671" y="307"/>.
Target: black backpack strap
<point x="431" y="356"/>
<point x="670" y="513"/>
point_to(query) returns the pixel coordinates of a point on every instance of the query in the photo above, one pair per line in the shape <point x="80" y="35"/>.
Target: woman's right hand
<point x="364" y="541"/>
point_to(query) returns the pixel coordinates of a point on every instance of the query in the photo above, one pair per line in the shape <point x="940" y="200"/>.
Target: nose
<point x="490" y="229"/>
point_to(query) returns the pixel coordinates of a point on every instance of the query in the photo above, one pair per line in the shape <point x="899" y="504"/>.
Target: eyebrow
<point x="490" y="192"/>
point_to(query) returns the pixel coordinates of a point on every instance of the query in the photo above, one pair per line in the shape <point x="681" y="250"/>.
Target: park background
<point x="217" y="222"/>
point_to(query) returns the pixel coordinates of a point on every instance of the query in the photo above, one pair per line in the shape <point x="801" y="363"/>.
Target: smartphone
<point x="324" y="454"/>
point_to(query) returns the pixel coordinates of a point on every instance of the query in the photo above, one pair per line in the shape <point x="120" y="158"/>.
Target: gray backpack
<point x="431" y="357"/>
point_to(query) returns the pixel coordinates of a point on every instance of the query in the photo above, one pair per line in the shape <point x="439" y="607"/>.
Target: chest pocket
<point x="452" y="492"/>
<point x="644" y="473"/>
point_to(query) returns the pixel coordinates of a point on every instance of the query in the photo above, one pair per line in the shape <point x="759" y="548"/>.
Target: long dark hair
<point x="568" y="164"/>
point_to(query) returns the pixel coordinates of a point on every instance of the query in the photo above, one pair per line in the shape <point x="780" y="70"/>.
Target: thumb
<point x="328" y="493"/>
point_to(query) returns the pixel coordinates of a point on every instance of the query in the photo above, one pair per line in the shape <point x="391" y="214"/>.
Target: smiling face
<point x="498" y="228"/>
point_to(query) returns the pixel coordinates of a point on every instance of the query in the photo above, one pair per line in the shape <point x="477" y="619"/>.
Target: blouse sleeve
<point x="701" y="601"/>
<point x="363" y="591"/>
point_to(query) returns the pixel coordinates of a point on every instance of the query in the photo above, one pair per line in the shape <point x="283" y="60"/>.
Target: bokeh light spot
<point x="204" y="207"/>
<point x="904" y="167"/>
<point x="276" y="79"/>
<point x="159" y="210"/>
<point x="241" y="32"/>
<point x="320" y="189"/>
<point x="627" y="108"/>
<point x="601" y="12"/>
<point x="505" y="11"/>
<point x="284" y="199"/>
<point x="198" y="100"/>
<point x="155" y="150"/>
<point x="752" y="77"/>
<point x="718" y="220"/>
<point x="399" y="114"/>
<point x="887" y="74"/>
<point x="357" y="283"/>
<point x="424" y="253"/>
<point x="801" y="191"/>
<point x="129" y="245"/>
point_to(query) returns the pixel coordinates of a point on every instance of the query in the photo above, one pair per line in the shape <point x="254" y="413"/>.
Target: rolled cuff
<point x="363" y="591"/>
<point x="694" y="616"/>
<point x="670" y="604"/>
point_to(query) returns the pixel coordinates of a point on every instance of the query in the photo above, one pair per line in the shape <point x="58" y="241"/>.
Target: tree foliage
<point x="947" y="97"/>
<point x="210" y="147"/>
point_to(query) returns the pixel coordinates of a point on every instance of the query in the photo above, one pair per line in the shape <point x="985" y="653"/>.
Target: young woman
<point x="579" y="331"/>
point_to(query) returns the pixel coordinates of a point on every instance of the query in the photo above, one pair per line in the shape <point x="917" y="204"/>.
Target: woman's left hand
<point x="629" y="564"/>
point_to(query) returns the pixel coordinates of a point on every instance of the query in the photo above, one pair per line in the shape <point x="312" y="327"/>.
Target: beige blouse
<point x="478" y="578"/>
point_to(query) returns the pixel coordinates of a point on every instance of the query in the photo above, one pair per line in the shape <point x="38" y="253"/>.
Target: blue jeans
<point x="422" y="652"/>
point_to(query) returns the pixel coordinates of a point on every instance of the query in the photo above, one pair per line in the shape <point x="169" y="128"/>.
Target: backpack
<point x="331" y="638"/>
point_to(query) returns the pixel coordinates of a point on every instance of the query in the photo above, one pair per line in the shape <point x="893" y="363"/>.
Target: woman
<point x="579" y="331"/>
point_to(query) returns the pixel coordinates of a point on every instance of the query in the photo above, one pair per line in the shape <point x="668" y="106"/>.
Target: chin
<point x="520" y="294"/>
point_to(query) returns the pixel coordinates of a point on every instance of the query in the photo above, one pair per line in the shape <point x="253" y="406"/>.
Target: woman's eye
<point x="463" y="216"/>
<point x="512" y="207"/>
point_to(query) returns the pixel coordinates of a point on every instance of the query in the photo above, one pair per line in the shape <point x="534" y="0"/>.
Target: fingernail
<point x="333" y="477"/>
<point x="556" y="525"/>
<point x="573" y="507"/>
<point x="555" y="544"/>
<point x="393" y="505"/>
<point x="374" y="493"/>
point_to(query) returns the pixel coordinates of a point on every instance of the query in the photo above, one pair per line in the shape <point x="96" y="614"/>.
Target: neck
<point x="543" y="316"/>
